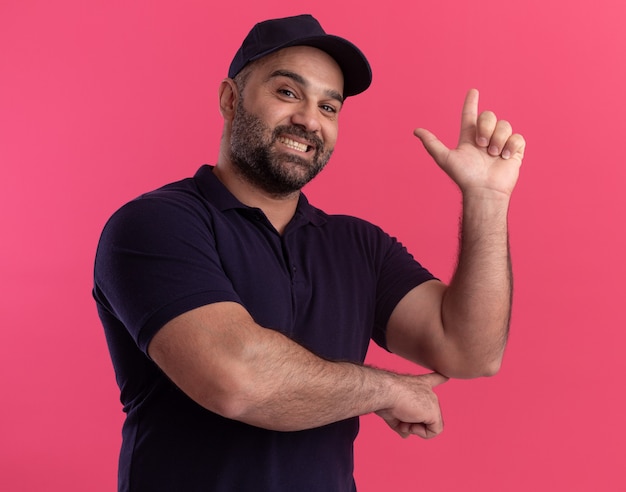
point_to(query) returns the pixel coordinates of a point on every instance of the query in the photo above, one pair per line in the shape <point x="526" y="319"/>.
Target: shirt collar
<point x="214" y="191"/>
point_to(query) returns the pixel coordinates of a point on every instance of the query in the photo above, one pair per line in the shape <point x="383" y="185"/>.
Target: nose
<point x="307" y="116"/>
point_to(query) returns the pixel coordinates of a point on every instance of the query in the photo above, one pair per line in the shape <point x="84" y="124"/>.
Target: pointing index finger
<point x="469" y="117"/>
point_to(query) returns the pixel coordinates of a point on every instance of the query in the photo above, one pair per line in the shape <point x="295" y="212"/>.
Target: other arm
<point x="230" y="365"/>
<point x="460" y="330"/>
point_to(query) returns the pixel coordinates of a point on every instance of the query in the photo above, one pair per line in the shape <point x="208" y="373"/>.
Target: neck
<point x="278" y="209"/>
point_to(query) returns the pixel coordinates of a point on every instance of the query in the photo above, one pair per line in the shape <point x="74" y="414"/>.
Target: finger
<point x="485" y="127"/>
<point x="469" y="117"/>
<point x="432" y="144"/>
<point x="434" y="379"/>
<point x="427" y="431"/>
<point x="401" y="428"/>
<point x="514" y="147"/>
<point x="501" y="134"/>
<point x="404" y="429"/>
<point x="420" y="430"/>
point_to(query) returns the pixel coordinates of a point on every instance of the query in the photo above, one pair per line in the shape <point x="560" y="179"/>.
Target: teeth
<point x="293" y="144"/>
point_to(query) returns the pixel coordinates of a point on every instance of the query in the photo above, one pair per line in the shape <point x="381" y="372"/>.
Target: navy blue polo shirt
<point x="328" y="282"/>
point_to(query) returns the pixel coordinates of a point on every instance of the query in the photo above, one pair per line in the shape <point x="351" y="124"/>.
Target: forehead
<point x="317" y="67"/>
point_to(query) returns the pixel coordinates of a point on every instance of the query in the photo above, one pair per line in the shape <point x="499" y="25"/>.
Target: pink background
<point x="102" y="100"/>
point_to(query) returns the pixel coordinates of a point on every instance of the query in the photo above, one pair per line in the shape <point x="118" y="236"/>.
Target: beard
<point x="256" y="159"/>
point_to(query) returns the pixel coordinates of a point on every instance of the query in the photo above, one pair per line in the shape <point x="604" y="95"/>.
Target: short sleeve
<point x="157" y="259"/>
<point x="399" y="273"/>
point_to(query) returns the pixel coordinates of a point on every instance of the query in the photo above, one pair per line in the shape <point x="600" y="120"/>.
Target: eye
<point x="287" y="93"/>
<point x="328" y="108"/>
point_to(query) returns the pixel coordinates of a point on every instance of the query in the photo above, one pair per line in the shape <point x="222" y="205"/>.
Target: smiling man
<point x="304" y="109"/>
<point x="238" y="315"/>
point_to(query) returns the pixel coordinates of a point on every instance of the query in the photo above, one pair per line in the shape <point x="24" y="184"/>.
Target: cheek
<point x="274" y="115"/>
<point x="330" y="138"/>
<point x="269" y="115"/>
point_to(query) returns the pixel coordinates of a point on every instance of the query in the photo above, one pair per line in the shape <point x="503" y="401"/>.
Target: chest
<point x="318" y="289"/>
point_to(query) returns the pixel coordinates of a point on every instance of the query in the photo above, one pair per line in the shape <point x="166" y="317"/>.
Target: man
<point x="238" y="315"/>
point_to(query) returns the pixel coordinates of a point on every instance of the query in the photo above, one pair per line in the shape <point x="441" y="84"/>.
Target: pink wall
<point x="102" y="100"/>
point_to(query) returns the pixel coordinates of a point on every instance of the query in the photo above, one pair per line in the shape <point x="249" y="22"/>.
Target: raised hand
<point x="488" y="155"/>
<point x="416" y="409"/>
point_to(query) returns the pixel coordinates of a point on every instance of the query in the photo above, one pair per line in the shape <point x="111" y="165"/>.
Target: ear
<point x="229" y="98"/>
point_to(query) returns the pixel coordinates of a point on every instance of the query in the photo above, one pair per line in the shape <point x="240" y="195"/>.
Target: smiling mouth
<point x="292" y="144"/>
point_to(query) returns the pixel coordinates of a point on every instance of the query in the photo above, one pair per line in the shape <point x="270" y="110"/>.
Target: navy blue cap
<point x="304" y="30"/>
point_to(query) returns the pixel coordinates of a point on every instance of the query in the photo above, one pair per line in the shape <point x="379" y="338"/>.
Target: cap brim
<point x="357" y="73"/>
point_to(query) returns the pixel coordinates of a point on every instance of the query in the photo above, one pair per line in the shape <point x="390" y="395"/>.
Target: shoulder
<point x="349" y="238"/>
<point x="350" y="228"/>
<point x="156" y="218"/>
<point x="174" y="200"/>
<point x="182" y="196"/>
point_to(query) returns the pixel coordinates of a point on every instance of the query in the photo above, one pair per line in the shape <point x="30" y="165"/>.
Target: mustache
<point x="297" y="131"/>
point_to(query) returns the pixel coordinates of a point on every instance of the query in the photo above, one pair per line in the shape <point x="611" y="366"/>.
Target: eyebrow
<point x="302" y="81"/>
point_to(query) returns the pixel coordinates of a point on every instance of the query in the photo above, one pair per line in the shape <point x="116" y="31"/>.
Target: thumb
<point x="434" y="378"/>
<point x="432" y="144"/>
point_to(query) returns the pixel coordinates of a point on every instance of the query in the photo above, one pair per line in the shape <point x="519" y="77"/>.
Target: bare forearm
<point x="296" y="390"/>
<point x="477" y="305"/>
<point x="282" y="386"/>
<point x="230" y="365"/>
